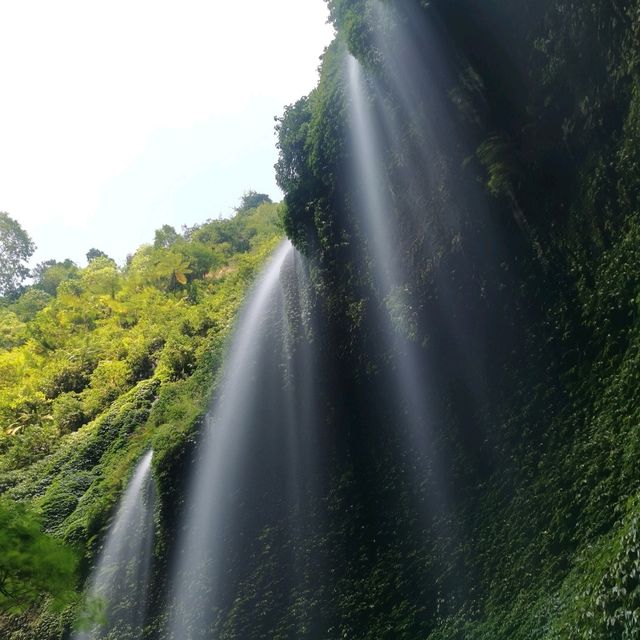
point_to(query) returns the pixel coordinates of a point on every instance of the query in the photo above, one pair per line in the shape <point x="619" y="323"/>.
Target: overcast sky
<point x="117" y="117"/>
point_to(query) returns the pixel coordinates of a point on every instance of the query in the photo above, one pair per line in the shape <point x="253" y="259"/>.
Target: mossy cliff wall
<point x="520" y="240"/>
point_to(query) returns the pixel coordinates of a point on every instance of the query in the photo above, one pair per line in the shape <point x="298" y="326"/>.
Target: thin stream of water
<point x="118" y="586"/>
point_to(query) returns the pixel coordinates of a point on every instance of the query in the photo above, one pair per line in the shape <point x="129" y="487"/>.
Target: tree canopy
<point x="94" y="253"/>
<point x="251" y="200"/>
<point x="16" y="247"/>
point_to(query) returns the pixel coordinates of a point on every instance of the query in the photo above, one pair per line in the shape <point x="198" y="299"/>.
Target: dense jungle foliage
<point x="97" y="364"/>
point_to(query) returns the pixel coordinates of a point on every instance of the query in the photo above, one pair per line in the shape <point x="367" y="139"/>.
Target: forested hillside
<point x="97" y="365"/>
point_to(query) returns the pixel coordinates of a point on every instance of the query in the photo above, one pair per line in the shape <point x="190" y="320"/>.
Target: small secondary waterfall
<point x="120" y="580"/>
<point x="256" y="460"/>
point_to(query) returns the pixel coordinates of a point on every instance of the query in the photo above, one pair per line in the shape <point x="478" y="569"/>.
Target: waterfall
<point x="371" y="182"/>
<point x="408" y="159"/>
<point x="256" y="462"/>
<point x="411" y="380"/>
<point x="409" y="196"/>
<point x="119" y="583"/>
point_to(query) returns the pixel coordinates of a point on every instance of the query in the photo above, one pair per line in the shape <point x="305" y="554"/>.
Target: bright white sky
<point x="117" y="117"/>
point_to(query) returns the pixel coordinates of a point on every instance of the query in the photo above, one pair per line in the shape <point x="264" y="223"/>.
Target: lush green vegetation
<point x="96" y="365"/>
<point x="32" y="564"/>
<point x="510" y="136"/>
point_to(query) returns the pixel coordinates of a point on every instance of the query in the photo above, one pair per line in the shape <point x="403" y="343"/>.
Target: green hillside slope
<point x="98" y="364"/>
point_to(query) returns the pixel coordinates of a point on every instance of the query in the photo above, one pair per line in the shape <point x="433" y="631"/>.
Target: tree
<point x="11" y="332"/>
<point x="165" y="237"/>
<point x="94" y="253"/>
<point x="172" y="269"/>
<point x="251" y="200"/>
<point x="49" y="275"/>
<point x="101" y="276"/>
<point x="16" y="247"/>
<point x="30" y="302"/>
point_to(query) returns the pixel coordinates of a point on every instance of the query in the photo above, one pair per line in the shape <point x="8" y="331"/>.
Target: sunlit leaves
<point x="11" y="330"/>
<point x="101" y="277"/>
<point x="80" y="338"/>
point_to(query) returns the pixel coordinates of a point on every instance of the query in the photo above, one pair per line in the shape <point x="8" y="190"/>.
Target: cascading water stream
<point x="414" y="381"/>
<point x="417" y="127"/>
<point x="119" y="583"/>
<point x="256" y="458"/>
<point x="374" y="205"/>
<point x="374" y="197"/>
